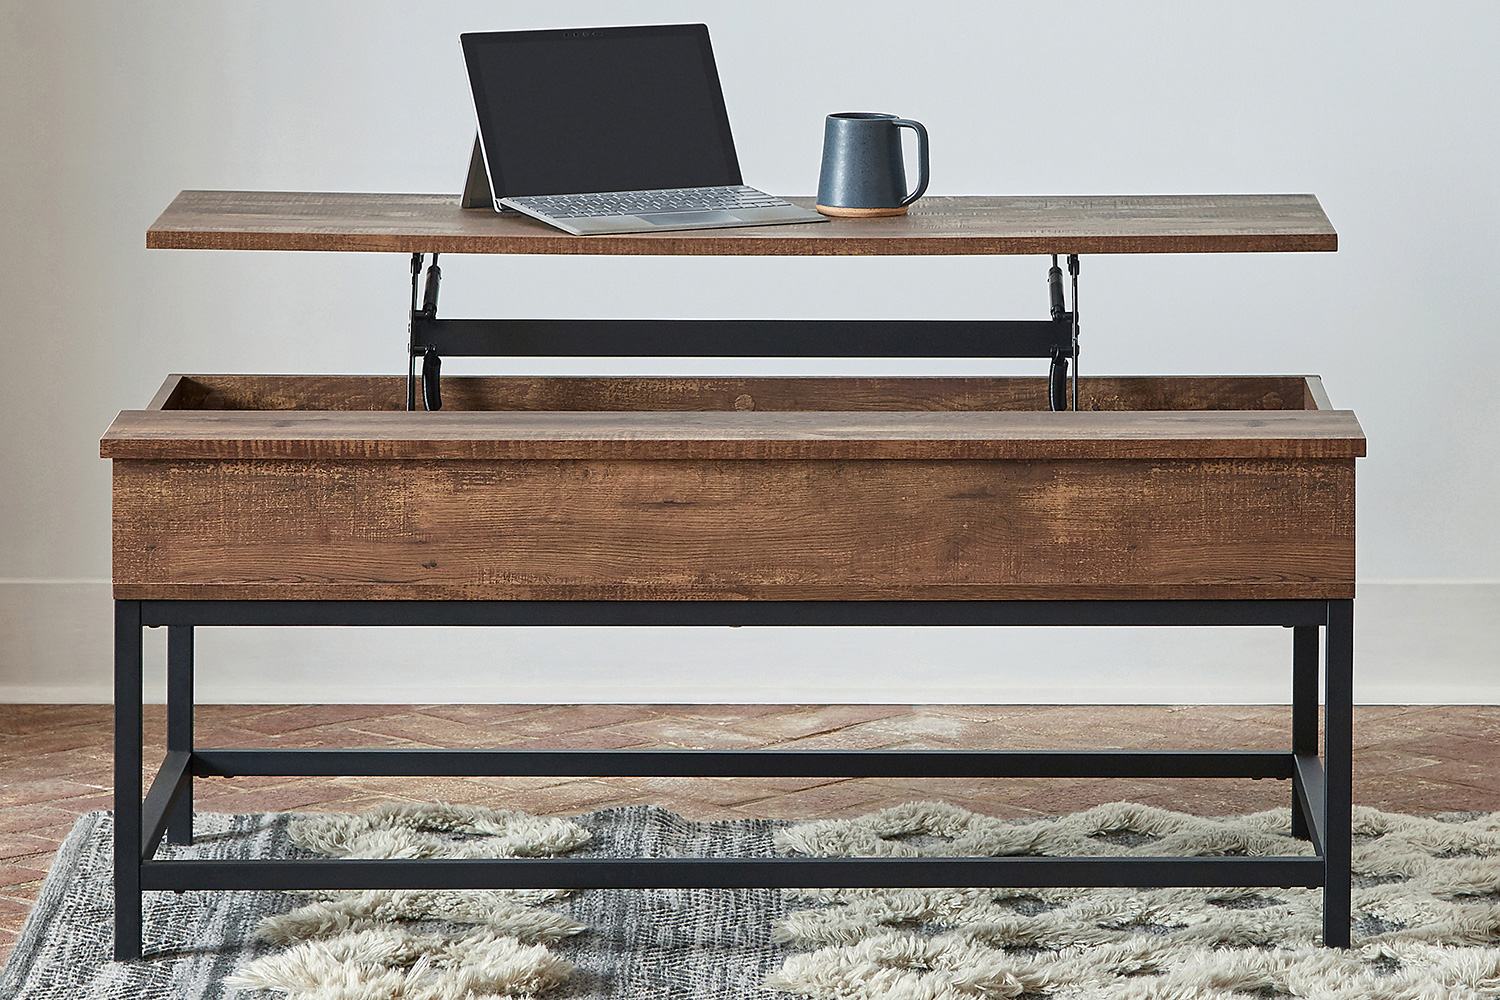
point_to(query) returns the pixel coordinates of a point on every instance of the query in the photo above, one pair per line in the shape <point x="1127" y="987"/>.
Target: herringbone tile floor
<point x="55" y="761"/>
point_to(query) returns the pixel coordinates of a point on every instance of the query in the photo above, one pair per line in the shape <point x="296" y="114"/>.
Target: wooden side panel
<point x="1226" y="528"/>
<point x="516" y="393"/>
<point x="183" y="435"/>
<point x="303" y="392"/>
<point x="1190" y="392"/>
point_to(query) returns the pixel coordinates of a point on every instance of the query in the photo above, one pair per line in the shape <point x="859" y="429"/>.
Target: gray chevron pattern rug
<point x="1427" y="915"/>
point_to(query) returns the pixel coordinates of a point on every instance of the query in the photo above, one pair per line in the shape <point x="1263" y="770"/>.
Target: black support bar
<point x="433" y="339"/>
<point x="1338" y="763"/>
<point x="740" y="338"/>
<point x="128" y="751"/>
<point x="1304" y="714"/>
<point x="804" y="613"/>
<point x="166" y="789"/>
<point x="749" y="763"/>
<point x="180" y="726"/>
<point x="1309" y="791"/>
<point x="731" y="873"/>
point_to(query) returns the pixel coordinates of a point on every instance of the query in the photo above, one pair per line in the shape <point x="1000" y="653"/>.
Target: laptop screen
<point x="600" y="109"/>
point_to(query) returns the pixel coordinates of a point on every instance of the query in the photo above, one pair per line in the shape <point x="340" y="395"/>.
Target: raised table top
<point x="434" y="223"/>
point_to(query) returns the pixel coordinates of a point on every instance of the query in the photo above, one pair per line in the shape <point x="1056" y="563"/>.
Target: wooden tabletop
<point x="434" y="223"/>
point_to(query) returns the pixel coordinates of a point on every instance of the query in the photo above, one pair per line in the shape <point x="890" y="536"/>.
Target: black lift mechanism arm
<point x="433" y="339"/>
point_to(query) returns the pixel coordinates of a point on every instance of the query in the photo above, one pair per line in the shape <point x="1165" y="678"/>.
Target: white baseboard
<point x="1415" y="643"/>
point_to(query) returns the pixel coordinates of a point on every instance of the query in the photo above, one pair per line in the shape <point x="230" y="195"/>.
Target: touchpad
<point x="690" y="218"/>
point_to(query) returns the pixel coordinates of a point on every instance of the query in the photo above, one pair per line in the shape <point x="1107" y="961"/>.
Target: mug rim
<point x="863" y="115"/>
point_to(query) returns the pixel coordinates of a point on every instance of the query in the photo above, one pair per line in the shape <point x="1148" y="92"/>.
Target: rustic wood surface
<point x="496" y="417"/>
<point x="545" y="393"/>
<point x="411" y="223"/>
<point x="249" y="434"/>
<point x="790" y="530"/>
<point x="320" y="487"/>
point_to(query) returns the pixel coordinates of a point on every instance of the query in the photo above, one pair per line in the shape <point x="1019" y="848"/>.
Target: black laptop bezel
<point x="474" y="42"/>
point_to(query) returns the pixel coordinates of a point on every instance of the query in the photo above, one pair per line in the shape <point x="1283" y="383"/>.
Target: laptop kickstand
<point x="1063" y="354"/>
<point x="432" y="364"/>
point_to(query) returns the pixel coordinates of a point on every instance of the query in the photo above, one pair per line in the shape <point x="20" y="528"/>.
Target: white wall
<point x="1388" y="113"/>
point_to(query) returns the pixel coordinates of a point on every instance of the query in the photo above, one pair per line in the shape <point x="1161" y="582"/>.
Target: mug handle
<point x="921" y="158"/>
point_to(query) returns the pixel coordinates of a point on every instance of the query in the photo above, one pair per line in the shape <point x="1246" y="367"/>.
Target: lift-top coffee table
<point x="355" y="500"/>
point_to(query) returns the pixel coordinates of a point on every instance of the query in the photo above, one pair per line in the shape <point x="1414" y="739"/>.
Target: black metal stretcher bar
<point x="1287" y="613"/>
<point x="208" y="763"/>
<point x="1320" y="800"/>
<point x="732" y="873"/>
<point x="172" y="784"/>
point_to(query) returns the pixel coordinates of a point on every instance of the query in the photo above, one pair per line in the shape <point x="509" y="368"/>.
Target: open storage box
<point x="324" y="487"/>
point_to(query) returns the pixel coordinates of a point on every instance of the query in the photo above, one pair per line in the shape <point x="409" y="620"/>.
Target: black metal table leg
<point x="127" y="780"/>
<point x="180" y="723"/>
<point x="1338" y="730"/>
<point x="1304" y="713"/>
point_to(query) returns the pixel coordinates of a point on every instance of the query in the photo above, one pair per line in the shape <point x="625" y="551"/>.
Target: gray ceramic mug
<point x="863" y="171"/>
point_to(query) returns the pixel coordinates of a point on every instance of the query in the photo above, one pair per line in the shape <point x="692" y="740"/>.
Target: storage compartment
<point x="323" y="487"/>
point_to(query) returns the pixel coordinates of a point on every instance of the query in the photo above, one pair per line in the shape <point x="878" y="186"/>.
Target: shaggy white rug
<point x="1426" y="919"/>
<point x="371" y="945"/>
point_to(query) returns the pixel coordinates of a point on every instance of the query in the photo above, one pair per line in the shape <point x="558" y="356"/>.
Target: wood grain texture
<point x="825" y="530"/>
<point x="356" y="416"/>
<point x="746" y="435"/>
<point x="232" y="487"/>
<point x="407" y="223"/>
<point x="548" y="393"/>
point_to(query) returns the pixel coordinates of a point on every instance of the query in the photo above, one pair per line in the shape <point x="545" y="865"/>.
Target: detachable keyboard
<point x="667" y="208"/>
<point x="603" y="205"/>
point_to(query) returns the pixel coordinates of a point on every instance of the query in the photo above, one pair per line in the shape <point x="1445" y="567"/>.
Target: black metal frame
<point x="433" y="339"/>
<point x="1320" y="791"/>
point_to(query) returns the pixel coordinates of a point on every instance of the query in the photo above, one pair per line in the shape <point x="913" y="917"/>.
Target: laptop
<point x="611" y="130"/>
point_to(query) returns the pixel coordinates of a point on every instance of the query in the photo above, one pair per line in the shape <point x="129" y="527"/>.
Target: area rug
<point x="1427" y="915"/>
